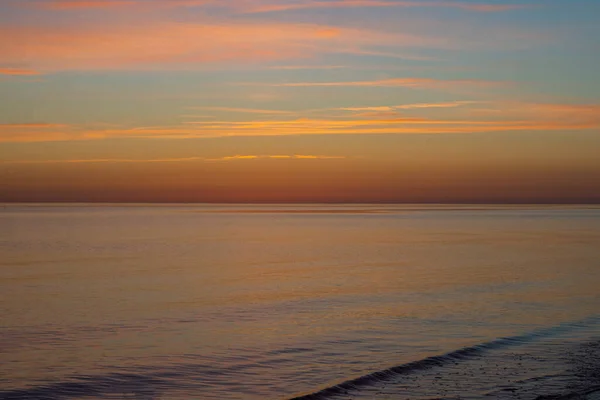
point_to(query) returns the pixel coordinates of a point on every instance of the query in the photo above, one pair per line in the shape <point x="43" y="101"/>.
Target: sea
<point x="321" y="301"/>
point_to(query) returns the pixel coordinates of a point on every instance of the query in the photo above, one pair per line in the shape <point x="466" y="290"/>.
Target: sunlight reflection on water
<point x="271" y="301"/>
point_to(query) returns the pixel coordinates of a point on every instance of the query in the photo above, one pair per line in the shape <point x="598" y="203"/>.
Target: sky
<point x="350" y="101"/>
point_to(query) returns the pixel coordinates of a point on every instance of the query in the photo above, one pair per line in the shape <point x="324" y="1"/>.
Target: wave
<point x="453" y="357"/>
<point x="92" y="386"/>
<point x="149" y="384"/>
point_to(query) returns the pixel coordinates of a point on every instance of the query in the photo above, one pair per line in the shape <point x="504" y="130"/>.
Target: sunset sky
<point x="464" y="101"/>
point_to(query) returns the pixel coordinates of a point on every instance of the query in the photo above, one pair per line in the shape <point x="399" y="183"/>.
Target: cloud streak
<point x="451" y="104"/>
<point x="297" y="67"/>
<point x="277" y="157"/>
<point x="469" y="117"/>
<point x="19" y="72"/>
<point x="264" y="6"/>
<point x="34" y="132"/>
<point x="103" y="160"/>
<point x="83" y="4"/>
<point x="397" y="82"/>
<point x="243" y="110"/>
<point x="395" y="126"/>
<point x="485" y="7"/>
<point x="168" y="45"/>
<point x="31" y="125"/>
<point x="159" y="40"/>
<point x="176" y="160"/>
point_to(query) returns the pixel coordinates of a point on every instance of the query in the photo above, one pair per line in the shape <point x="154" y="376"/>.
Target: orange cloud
<point x="166" y="44"/>
<point x="306" y="123"/>
<point x="102" y="160"/>
<point x="482" y="117"/>
<point x="156" y="43"/>
<point x="308" y="127"/>
<point x="261" y="6"/>
<point x="35" y="132"/>
<point x="542" y="111"/>
<point x="174" y="160"/>
<point x="18" y="72"/>
<point x="328" y="32"/>
<point x="277" y="157"/>
<point x="382" y="125"/>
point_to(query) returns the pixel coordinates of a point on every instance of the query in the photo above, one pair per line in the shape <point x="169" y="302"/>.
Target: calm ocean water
<point x="316" y="302"/>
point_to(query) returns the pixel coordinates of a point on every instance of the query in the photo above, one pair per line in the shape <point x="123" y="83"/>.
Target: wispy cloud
<point x="75" y="47"/>
<point x="103" y="160"/>
<point x="243" y="110"/>
<point x="175" y="160"/>
<point x="161" y="40"/>
<point x="478" y="117"/>
<point x="396" y="82"/>
<point x="354" y="126"/>
<point x="296" y="67"/>
<point x="31" y="125"/>
<point x="450" y="104"/>
<point x="19" y="72"/>
<point x="34" y="132"/>
<point x="367" y="108"/>
<point x="262" y="7"/>
<point x="388" y="54"/>
<point x="66" y="5"/>
<point x="81" y="4"/>
<point x="277" y="157"/>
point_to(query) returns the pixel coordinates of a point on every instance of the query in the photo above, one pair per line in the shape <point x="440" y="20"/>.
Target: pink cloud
<point x="152" y="42"/>
<point x="66" y="5"/>
<point x="164" y="44"/>
<point x="260" y="6"/>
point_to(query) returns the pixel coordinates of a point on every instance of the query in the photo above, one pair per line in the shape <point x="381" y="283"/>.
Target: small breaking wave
<point x="450" y="358"/>
<point x="155" y="382"/>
